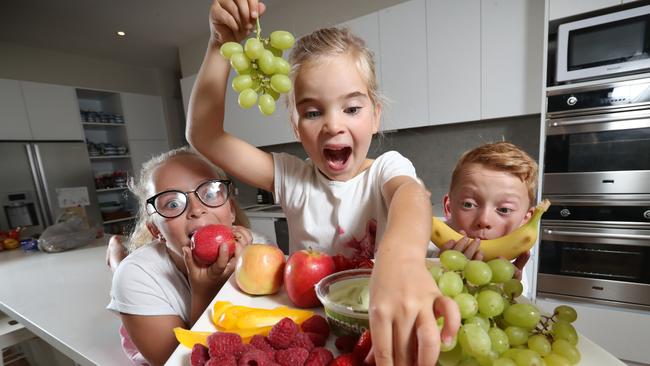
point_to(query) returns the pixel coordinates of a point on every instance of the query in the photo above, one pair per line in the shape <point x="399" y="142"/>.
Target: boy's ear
<point x="446" y="206"/>
<point x="528" y="215"/>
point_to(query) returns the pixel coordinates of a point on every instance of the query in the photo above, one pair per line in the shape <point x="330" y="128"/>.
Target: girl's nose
<point x="333" y="124"/>
<point x="195" y="208"/>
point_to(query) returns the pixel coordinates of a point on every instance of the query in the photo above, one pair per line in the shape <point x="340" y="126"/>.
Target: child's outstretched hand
<point x="469" y="247"/>
<point x="404" y="305"/>
<point x="232" y="20"/>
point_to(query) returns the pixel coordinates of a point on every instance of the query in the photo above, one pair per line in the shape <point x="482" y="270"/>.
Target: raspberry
<point x="344" y="360"/>
<point x="261" y="343"/>
<point x="199" y="355"/>
<point x="319" y="357"/>
<point x="244" y="348"/>
<point x="362" y="347"/>
<point x="345" y="344"/>
<point x="365" y="263"/>
<point x="293" y="356"/>
<point x="283" y="333"/>
<point x="316" y="324"/>
<point x="222" y="342"/>
<point x="317" y="339"/>
<point x="222" y="359"/>
<point x="341" y="263"/>
<point x="254" y="357"/>
<point x="302" y="340"/>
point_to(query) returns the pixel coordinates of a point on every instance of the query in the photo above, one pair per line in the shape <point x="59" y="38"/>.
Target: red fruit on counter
<point x="303" y="270"/>
<point x="343" y="263"/>
<point x="362" y="348"/>
<point x="345" y="360"/>
<point x="345" y="343"/>
<point x="199" y="355"/>
<point x="316" y="324"/>
<point x="207" y="240"/>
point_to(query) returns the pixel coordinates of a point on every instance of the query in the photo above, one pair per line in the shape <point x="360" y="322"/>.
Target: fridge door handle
<point x="42" y="192"/>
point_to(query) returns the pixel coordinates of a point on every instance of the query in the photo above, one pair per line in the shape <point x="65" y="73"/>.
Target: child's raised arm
<point x="229" y="21"/>
<point x="405" y="300"/>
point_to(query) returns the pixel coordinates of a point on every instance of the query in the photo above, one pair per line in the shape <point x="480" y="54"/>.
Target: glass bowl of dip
<point x="345" y="296"/>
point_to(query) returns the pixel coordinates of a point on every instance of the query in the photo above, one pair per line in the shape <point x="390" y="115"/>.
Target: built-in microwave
<point x="604" y="45"/>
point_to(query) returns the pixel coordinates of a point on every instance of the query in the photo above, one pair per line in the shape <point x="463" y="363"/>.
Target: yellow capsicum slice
<point x="228" y="319"/>
<point x="189" y="338"/>
<point x="218" y="309"/>
<point x="269" y="317"/>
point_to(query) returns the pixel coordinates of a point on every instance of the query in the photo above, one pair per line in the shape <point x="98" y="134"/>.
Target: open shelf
<point x="119" y="220"/>
<point x="105" y="157"/>
<point x="101" y="190"/>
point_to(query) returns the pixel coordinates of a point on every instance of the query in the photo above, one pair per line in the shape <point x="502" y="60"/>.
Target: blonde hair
<point x="141" y="235"/>
<point x="327" y="42"/>
<point x="502" y="157"/>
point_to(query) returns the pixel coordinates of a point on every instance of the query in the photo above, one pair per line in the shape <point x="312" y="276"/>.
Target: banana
<point x="509" y="246"/>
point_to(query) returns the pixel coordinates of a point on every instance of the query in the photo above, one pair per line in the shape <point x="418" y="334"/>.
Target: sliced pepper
<point x="218" y="309"/>
<point x="228" y="319"/>
<point x="189" y="338"/>
<point x="269" y="317"/>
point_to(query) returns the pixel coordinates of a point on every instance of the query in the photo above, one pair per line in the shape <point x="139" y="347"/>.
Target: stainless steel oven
<point x="595" y="238"/>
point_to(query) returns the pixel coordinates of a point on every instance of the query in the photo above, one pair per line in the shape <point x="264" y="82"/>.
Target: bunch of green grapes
<point x="262" y="72"/>
<point x="496" y="330"/>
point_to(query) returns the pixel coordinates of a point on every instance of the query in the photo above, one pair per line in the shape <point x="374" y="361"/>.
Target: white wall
<point x="295" y="16"/>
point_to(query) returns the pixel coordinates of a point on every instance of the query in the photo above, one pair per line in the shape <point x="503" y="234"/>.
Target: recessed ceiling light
<point x="121" y="33"/>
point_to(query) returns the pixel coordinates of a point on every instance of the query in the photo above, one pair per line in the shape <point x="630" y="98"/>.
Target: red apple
<point x="304" y="269"/>
<point x="207" y="240"/>
<point x="259" y="269"/>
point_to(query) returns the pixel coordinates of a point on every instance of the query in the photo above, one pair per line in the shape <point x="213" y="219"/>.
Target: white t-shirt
<point x="331" y="216"/>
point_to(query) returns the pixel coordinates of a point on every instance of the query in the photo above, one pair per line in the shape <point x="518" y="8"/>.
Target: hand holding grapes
<point x="232" y="21"/>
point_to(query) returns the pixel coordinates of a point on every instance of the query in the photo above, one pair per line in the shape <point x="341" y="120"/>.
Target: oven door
<point x="607" y="153"/>
<point x="598" y="263"/>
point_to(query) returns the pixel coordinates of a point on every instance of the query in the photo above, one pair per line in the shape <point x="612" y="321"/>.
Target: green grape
<point x="565" y="349"/>
<point x="513" y="288"/>
<point x="280" y="83"/>
<point x="511" y="353"/>
<point x="275" y="95"/>
<point x="241" y="82"/>
<point x="276" y="52"/>
<point x="474" y="340"/>
<point x="240" y="62"/>
<point x="450" y="283"/>
<point x="526" y="357"/>
<point x="469" y="362"/>
<point x="230" y="48"/>
<point x="467" y="305"/>
<point x="522" y="315"/>
<point x="516" y="335"/>
<point x="477" y="273"/>
<point x="566" y="313"/>
<point x="266" y="62"/>
<point x="502" y="361"/>
<point x="553" y="359"/>
<point x="499" y="339"/>
<point x="490" y="303"/>
<point x="451" y="358"/>
<point x="281" y="66"/>
<point x="253" y="48"/>
<point x="450" y="346"/>
<point x="479" y="320"/>
<point x="266" y="104"/>
<point x="282" y="40"/>
<point x="564" y="330"/>
<point x="540" y="344"/>
<point x="436" y="272"/>
<point x="453" y="260"/>
<point x="247" y="98"/>
<point x="487" y="360"/>
<point x="502" y="270"/>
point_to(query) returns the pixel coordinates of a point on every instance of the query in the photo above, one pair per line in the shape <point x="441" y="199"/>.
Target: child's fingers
<point x="189" y="260"/>
<point x="472" y="248"/>
<point x="245" y="17"/>
<point x="228" y="14"/>
<point x="521" y="260"/>
<point x="445" y="306"/>
<point x="428" y="338"/>
<point x="223" y="258"/>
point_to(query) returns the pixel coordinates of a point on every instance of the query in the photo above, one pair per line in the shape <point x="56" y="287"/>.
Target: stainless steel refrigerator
<point x="35" y="178"/>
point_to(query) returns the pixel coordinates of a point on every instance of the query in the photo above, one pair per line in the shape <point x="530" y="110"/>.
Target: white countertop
<point x="592" y="354"/>
<point x="62" y="298"/>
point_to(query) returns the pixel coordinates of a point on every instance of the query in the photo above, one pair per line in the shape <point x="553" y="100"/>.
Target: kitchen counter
<point x="264" y="211"/>
<point x="62" y="298"/>
<point x="592" y="354"/>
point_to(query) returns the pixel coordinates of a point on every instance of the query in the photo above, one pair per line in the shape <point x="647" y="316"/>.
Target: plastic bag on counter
<point x="71" y="233"/>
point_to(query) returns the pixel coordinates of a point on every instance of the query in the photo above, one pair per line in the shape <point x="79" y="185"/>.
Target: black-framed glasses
<point x="173" y="203"/>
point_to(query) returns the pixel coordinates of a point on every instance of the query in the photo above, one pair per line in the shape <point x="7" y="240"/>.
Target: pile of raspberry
<point x="287" y="344"/>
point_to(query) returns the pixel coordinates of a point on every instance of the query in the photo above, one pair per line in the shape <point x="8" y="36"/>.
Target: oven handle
<point x="596" y="235"/>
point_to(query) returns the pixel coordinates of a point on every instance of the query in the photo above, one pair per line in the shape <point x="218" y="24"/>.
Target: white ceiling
<point x="155" y="28"/>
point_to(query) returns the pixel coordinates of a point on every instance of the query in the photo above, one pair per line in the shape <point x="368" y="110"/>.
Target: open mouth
<point x="337" y="158"/>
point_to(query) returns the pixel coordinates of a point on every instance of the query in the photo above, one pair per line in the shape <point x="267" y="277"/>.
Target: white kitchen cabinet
<point x="454" y="60"/>
<point x="14" y="123"/>
<point x="264" y="226"/>
<point x="512" y="43"/>
<point x="622" y="332"/>
<point x="144" y="116"/>
<point x="565" y="8"/>
<point x="143" y="150"/>
<point x="367" y="28"/>
<point x="403" y="57"/>
<point x="53" y="111"/>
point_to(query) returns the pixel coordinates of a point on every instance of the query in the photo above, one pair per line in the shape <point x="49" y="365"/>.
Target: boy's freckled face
<point x="486" y="203"/>
<point x="336" y="118"/>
